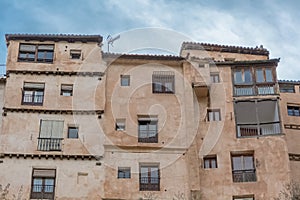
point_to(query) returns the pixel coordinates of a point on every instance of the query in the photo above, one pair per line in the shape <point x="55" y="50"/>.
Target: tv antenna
<point x="110" y="40"/>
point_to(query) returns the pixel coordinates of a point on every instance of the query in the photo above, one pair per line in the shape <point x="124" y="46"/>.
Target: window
<point x="43" y="184"/>
<point x="33" y="93"/>
<point x="288" y="88"/>
<point x="210" y="161"/>
<point x="257" y="118"/>
<point x="124" y="172"/>
<point x="243" y="76"/>
<point x="247" y="197"/>
<point x="73" y="132"/>
<point x="125" y="80"/>
<point x="246" y="82"/>
<point x="51" y="134"/>
<point x="148" y="130"/>
<point x="213" y="115"/>
<point x="293" y="111"/>
<point x="120" y="124"/>
<point x="264" y="75"/>
<point x="36" y="52"/>
<point x="163" y="82"/>
<point x="75" y="54"/>
<point x="214" y="78"/>
<point x="149" y="178"/>
<point x="66" y="90"/>
<point x="243" y="169"/>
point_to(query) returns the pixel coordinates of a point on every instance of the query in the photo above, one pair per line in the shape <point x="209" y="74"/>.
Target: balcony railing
<point x="244" y="175"/>
<point x="30" y="99"/>
<point x="49" y="144"/>
<point x="258" y="89"/>
<point x="149" y="184"/>
<point x="148" y="136"/>
<point x="246" y="130"/>
<point x="42" y="192"/>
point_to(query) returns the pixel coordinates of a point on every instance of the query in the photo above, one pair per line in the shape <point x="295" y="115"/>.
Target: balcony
<point x="149" y="184"/>
<point x="32" y="99"/>
<point x="244" y="175"/>
<point x="49" y="144"/>
<point x="42" y="192"/>
<point x="252" y="90"/>
<point x="248" y="130"/>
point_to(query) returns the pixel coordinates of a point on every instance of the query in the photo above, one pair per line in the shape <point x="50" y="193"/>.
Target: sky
<point x="275" y="24"/>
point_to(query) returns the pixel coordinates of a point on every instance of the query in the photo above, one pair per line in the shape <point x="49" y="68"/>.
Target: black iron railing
<point x="148" y="136"/>
<point x="149" y="184"/>
<point x="49" y="144"/>
<point x="42" y="192"/>
<point x="32" y="99"/>
<point x="244" y="175"/>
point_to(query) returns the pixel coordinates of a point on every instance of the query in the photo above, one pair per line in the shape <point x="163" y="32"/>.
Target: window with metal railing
<point x="33" y="93"/>
<point x="51" y="135"/>
<point x="43" y="184"/>
<point x="257" y="118"/>
<point x="250" y="81"/>
<point x="149" y="177"/>
<point x="243" y="169"/>
<point x="163" y="82"/>
<point x="147" y="131"/>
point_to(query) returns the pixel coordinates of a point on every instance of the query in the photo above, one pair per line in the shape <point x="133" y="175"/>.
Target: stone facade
<point x="82" y="124"/>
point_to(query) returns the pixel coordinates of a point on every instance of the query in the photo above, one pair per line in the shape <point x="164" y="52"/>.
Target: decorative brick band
<point x="50" y="156"/>
<point x="294" y="157"/>
<point x="58" y="112"/>
<point x="55" y="73"/>
<point x="292" y="126"/>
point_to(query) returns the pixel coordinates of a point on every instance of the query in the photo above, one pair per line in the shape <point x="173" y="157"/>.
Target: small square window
<point x="214" y="78"/>
<point x="124" y="172"/>
<point x="125" y="80"/>
<point x="210" y="161"/>
<point x="247" y="197"/>
<point x="66" y="90"/>
<point x="213" y="115"/>
<point x="73" y="132"/>
<point x="75" y="54"/>
<point x="120" y="124"/>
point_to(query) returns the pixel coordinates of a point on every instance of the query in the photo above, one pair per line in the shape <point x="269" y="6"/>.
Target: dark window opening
<point x="36" y="52"/>
<point x="243" y="169"/>
<point x="210" y="161"/>
<point x="73" y="132"/>
<point x="293" y="111"/>
<point x="66" y="90"/>
<point x="287" y="88"/>
<point x="75" y="54"/>
<point x="33" y="94"/>
<point x="148" y="130"/>
<point x="213" y="115"/>
<point x="120" y="124"/>
<point x="149" y="178"/>
<point x="163" y="82"/>
<point x="43" y="184"/>
<point x="214" y="78"/>
<point x="124" y="172"/>
<point x="125" y="80"/>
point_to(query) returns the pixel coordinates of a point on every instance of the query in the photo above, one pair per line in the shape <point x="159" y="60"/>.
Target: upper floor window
<point x="213" y="115"/>
<point x="257" y="118"/>
<point x="51" y="135"/>
<point x="75" y="54"/>
<point x="73" y="132"/>
<point x="243" y="169"/>
<point x="251" y="81"/>
<point x="214" y="78"/>
<point x="33" y="93"/>
<point x="247" y="197"/>
<point x="163" y="82"/>
<point x="43" y="184"/>
<point x="120" y="124"/>
<point x="124" y="172"/>
<point x="293" y="110"/>
<point x="147" y="130"/>
<point x="125" y="80"/>
<point x="36" y="52"/>
<point x="149" y="177"/>
<point x="288" y="88"/>
<point x="66" y="90"/>
<point x="210" y="161"/>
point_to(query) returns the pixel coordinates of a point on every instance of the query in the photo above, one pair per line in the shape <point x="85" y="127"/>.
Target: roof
<point x="224" y="48"/>
<point x="289" y="82"/>
<point x="274" y="61"/>
<point x="141" y="56"/>
<point x="55" y="37"/>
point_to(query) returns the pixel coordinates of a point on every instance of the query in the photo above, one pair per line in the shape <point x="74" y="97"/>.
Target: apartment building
<point x="211" y="123"/>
